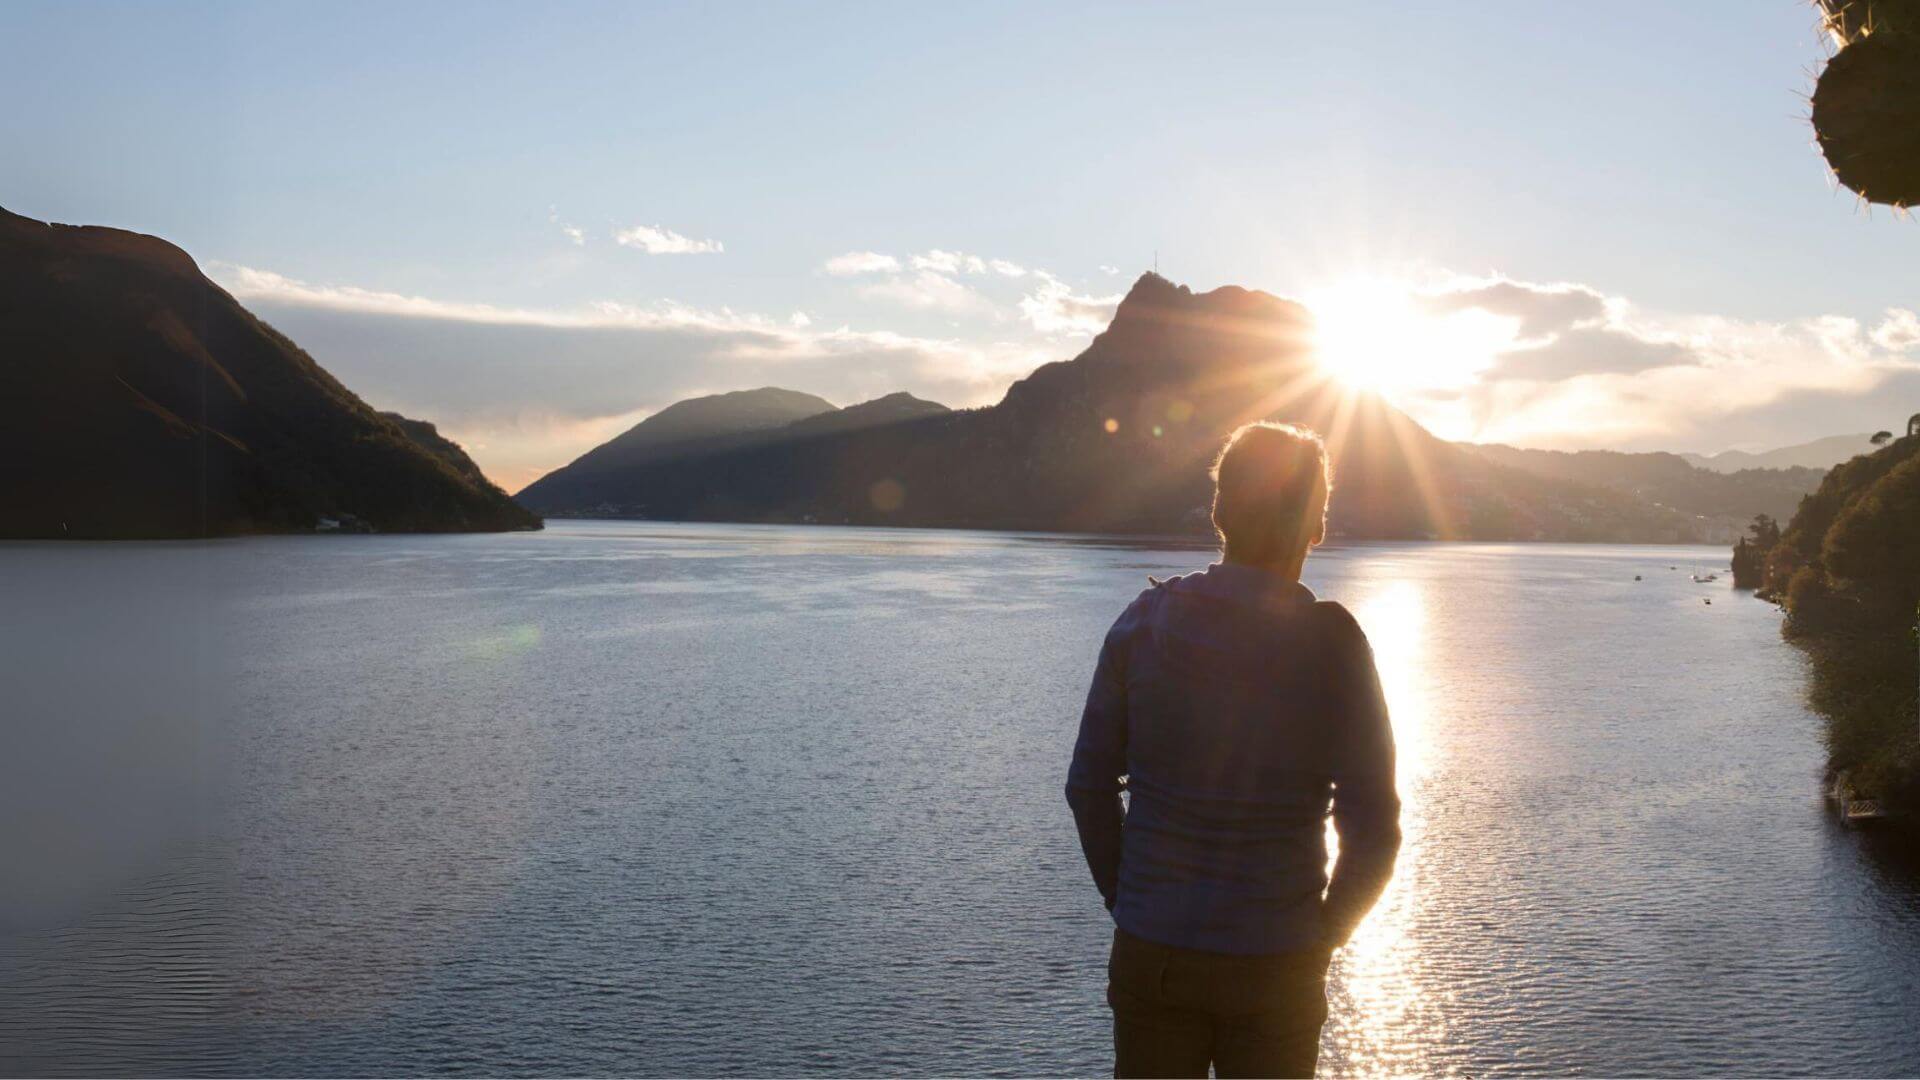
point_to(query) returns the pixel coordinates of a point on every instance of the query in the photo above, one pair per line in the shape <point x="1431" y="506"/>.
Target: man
<point x="1237" y="711"/>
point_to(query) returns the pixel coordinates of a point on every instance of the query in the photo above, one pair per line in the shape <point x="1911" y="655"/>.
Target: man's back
<point x="1240" y="709"/>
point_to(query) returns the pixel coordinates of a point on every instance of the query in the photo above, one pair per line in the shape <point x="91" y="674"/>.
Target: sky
<point x="1562" y="225"/>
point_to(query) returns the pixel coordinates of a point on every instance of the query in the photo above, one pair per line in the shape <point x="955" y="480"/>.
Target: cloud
<point x="577" y="235"/>
<point x="527" y="390"/>
<point x="655" y="240"/>
<point x="1587" y="350"/>
<point x="1699" y="382"/>
<point x="949" y="262"/>
<point x="1899" y="332"/>
<point x="928" y="290"/>
<point x="1110" y="271"/>
<point x="1540" y="309"/>
<point x="1054" y="308"/>
<point x="1007" y="269"/>
<point x="1555" y="332"/>
<point x="860" y="262"/>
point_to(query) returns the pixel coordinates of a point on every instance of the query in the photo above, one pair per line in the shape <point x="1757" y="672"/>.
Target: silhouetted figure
<point x="1237" y="711"/>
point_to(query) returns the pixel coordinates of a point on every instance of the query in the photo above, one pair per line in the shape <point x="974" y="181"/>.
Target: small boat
<point x="1706" y="577"/>
<point x="1854" y="810"/>
<point x="1861" y="811"/>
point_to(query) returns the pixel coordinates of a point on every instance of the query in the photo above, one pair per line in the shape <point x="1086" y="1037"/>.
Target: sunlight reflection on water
<point x="1377" y="993"/>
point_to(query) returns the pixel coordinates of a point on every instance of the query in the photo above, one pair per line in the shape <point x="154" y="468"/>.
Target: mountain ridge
<point x="1118" y="439"/>
<point x="711" y="424"/>
<point x="157" y="406"/>
<point x="1817" y="454"/>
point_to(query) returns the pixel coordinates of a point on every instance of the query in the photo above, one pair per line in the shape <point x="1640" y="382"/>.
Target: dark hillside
<point x="146" y="402"/>
<point x="1847" y="569"/>
<point x="703" y="427"/>
<point x="1721" y="499"/>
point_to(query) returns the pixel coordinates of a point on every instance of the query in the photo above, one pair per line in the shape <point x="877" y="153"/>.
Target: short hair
<point x="1270" y="489"/>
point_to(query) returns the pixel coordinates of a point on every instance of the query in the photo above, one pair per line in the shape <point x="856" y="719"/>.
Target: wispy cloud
<point x="949" y="262"/>
<point x="655" y="240"/>
<point x="860" y="262"/>
<point x="929" y="290"/>
<point x="1054" y="308"/>
<point x="572" y="232"/>
<point x="1899" y="331"/>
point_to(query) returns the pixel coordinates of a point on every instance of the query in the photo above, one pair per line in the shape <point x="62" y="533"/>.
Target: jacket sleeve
<point x="1099" y="761"/>
<point x="1366" y="802"/>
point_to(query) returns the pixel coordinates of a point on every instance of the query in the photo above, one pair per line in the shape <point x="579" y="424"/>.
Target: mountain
<point x="891" y="409"/>
<point x="705" y="426"/>
<point x="1820" y="454"/>
<point x="1725" y="502"/>
<point x="1119" y="439"/>
<point x="147" y="402"/>
<point x="717" y="416"/>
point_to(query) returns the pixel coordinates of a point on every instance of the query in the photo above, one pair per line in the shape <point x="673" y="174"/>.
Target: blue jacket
<point x="1237" y="712"/>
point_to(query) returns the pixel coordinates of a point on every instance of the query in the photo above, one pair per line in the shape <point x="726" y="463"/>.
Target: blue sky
<point x="394" y="187"/>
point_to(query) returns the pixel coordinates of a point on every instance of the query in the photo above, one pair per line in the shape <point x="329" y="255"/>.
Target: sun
<point x="1378" y="334"/>
<point x="1368" y="334"/>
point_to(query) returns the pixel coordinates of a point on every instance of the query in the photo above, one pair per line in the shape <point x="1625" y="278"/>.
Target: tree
<point x="1873" y="540"/>
<point x="1765" y="532"/>
<point x="1880" y="438"/>
<point x="1913" y="424"/>
<point x="1866" y="103"/>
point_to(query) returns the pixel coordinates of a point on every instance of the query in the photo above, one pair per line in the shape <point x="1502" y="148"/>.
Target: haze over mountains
<point x="150" y="403"/>
<point x="145" y="402"/>
<point x="1119" y="439"/>
<point x="1822" y="454"/>
<point x="1730" y="498"/>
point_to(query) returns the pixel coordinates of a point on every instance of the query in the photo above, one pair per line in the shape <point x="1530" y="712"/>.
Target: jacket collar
<point x="1250" y="584"/>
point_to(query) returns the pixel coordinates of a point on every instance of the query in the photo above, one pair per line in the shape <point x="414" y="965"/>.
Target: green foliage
<point x="1801" y="542"/>
<point x="1876" y="538"/>
<point x="1750" y="552"/>
<point x="1847" y="569"/>
<point x="1807" y="595"/>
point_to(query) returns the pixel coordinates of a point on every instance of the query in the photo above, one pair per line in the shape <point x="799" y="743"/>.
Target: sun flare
<point x="1376" y="334"/>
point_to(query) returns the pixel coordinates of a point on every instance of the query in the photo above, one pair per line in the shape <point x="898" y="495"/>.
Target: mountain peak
<point x="1150" y="291"/>
<point x="1155" y="297"/>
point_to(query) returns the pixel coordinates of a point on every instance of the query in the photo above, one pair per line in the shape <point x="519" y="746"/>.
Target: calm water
<point x="636" y="798"/>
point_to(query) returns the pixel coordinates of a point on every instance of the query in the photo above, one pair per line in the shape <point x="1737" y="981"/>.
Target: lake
<point x="641" y="798"/>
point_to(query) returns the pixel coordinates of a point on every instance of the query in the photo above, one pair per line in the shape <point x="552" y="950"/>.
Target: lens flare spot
<point x="508" y="641"/>
<point x="1112" y="425"/>
<point x="887" y="495"/>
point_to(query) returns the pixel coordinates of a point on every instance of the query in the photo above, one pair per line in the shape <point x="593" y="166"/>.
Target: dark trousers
<point x="1177" y="1011"/>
